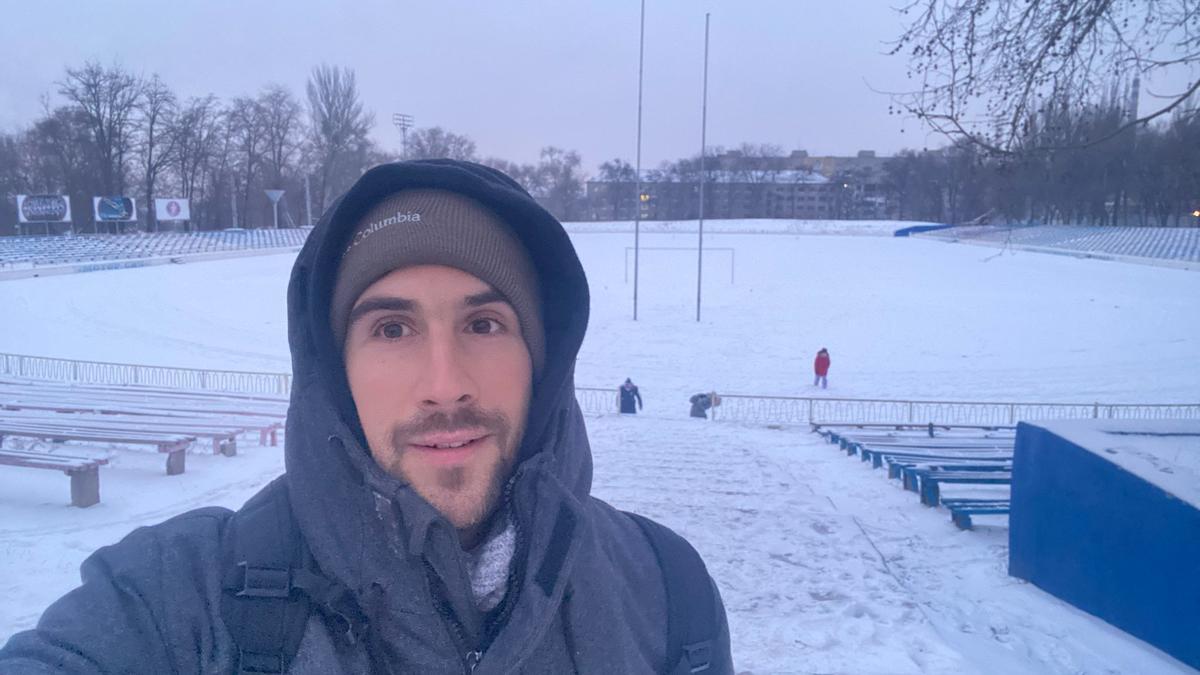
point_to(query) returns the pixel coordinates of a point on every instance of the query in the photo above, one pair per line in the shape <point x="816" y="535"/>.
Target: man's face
<point x="441" y="378"/>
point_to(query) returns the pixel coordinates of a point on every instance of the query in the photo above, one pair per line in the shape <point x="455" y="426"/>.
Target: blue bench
<point x="961" y="509"/>
<point x="930" y="490"/>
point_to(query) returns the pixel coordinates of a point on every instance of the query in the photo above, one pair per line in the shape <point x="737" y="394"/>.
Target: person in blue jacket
<point x="630" y="396"/>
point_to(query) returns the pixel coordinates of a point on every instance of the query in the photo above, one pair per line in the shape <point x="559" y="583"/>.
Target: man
<point x="630" y="395"/>
<point x="435" y="514"/>
<point x="702" y="402"/>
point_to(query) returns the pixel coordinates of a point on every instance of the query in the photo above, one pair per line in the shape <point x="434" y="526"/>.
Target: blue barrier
<point x="1105" y="539"/>
<point x="917" y="229"/>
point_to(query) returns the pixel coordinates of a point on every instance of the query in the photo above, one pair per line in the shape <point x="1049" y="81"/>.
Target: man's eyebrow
<point x="393" y="304"/>
<point x="486" y="297"/>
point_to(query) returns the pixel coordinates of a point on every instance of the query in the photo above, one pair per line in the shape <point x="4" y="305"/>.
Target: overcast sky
<point x="514" y="76"/>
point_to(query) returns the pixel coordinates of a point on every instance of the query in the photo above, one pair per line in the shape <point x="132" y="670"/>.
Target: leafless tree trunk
<point x="109" y="97"/>
<point x="248" y="130"/>
<point x="281" y="126"/>
<point x="339" y="124"/>
<point x="156" y="112"/>
<point x="195" y="134"/>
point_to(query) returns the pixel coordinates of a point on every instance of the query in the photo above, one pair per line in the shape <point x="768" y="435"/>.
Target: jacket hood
<point x="337" y="487"/>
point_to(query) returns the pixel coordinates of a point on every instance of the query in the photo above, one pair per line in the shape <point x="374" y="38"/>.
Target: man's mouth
<point x="450" y="447"/>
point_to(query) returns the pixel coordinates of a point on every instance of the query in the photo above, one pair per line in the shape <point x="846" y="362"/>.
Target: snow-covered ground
<point x="825" y="566"/>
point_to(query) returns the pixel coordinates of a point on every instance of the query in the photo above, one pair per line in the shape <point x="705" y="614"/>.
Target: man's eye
<point x="484" y="326"/>
<point x="392" y="330"/>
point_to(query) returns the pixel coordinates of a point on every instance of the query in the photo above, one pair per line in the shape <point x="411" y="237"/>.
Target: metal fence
<point x="599" y="401"/>
<point x="734" y="407"/>
<point x="804" y="410"/>
<point x="97" y="372"/>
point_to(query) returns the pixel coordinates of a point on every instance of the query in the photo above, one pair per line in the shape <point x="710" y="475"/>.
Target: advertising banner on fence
<point x="172" y="209"/>
<point x="43" y="209"/>
<point x="114" y="209"/>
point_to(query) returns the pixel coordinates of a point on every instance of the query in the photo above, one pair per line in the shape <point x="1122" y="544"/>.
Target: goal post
<point x="722" y="250"/>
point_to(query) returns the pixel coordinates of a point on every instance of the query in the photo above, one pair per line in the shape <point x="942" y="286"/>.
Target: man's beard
<point x="466" y="494"/>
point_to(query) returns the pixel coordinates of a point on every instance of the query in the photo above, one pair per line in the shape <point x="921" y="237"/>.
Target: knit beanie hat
<point x="438" y="227"/>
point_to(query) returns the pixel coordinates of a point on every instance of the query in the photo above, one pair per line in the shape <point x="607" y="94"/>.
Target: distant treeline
<point x="1081" y="169"/>
<point x="115" y="133"/>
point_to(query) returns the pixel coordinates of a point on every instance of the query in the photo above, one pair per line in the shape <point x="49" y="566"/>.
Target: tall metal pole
<point x="403" y="122"/>
<point x="307" y="201"/>
<point x="703" y="143"/>
<point x="637" y="204"/>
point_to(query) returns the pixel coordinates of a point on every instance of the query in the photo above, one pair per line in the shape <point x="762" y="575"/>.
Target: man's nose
<point x="449" y="381"/>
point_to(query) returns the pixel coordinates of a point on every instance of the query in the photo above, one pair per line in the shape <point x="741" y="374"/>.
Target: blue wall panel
<point x="1107" y="541"/>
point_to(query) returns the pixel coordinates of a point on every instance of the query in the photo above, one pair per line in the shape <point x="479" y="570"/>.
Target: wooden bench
<point x="84" y="471"/>
<point x="224" y="439"/>
<point x="174" y="446"/>
<point x="217" y="415"/>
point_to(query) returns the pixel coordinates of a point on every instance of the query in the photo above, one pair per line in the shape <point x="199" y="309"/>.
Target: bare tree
<point x="60" y="156"/>
<point x="155" y="145"/>
<point x="281" y="128"/>
<point x="109" y="98"/>
<point x="562" y="182"/>
<point x="247" y="130"/>
<point x="195" y="134"/>
<point x="987" y="68"/>
<point x="339" y="127"/>
<point x="620" y="178"/>
<point x="436" y="142"/>
<point x="12" y="174"/>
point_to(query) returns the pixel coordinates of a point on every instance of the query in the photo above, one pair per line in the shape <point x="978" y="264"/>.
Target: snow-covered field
<point x="825" y="566"/>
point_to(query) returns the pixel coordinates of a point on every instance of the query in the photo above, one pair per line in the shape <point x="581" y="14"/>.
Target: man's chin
<point x="466" y="505"/>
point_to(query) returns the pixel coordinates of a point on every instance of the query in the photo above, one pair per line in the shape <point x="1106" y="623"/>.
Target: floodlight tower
<point x="403" y="123"/>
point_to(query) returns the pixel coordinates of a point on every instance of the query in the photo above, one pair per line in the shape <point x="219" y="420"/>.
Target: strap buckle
<point x="698" y="656"/>
<point x="265" y="582"/>
<point x="252" y="663"/>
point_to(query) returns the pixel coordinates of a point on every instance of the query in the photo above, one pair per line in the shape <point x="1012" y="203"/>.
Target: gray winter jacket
<point x="586" y="594"/>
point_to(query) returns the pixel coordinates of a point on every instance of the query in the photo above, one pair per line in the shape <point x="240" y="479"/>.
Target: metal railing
<point x="595" y="400"/>
<point x="805" y="410"/>
<point x="99" y="372"/>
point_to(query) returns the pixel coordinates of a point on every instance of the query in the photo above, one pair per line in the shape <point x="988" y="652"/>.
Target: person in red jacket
<point x="821" y="368"/>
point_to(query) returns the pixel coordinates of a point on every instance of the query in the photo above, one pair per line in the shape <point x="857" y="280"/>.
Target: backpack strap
<point x="691" y="606"/>
<point x="269" y="590"/>
<point x="260" y="605"/>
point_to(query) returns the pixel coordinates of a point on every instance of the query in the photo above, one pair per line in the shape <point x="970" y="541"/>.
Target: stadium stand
<point x="1161" y="243"/>
<point x="928" y="457"/>
<point x="80" y="248"/>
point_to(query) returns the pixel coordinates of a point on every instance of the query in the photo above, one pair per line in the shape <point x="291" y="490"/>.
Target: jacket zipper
<point x="515" y="572"/>
<point x="470" y="658"/>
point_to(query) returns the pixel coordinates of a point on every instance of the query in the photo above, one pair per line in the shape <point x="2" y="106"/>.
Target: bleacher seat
<point x="83" y="248"/>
